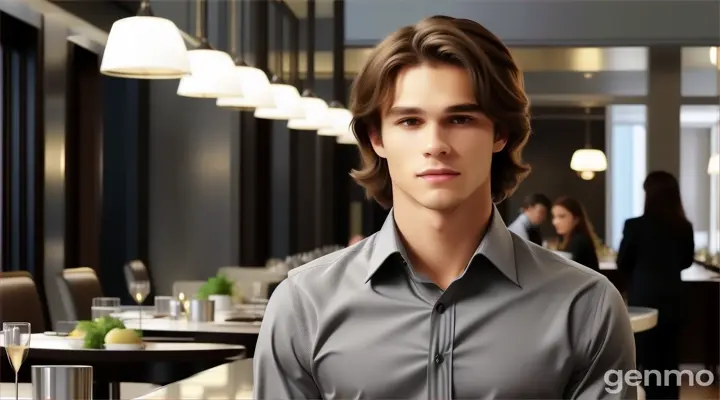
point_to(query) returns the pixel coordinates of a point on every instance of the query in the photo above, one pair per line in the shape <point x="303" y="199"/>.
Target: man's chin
<point x="440" y="202"/>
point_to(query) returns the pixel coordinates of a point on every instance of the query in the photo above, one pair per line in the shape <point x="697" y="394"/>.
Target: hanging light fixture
<point x="714" y="164"/>
<point x="347" y="138"/>
<point x="588" y="159"/>
<point x="211" y="70"/>
<point x="145" y="47"/>
<point x="256" y="90"/>
<point x="314" y="108"/>
<point x="315" y="113"/>
<point x="714" y="55"/>
<point x="339" y="119"/>
<point x="286" y="98"/>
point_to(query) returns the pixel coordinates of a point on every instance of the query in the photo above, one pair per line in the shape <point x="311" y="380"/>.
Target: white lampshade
<point x="714" y="55"/>
<point x="287" y="104"/>
<point x="714" y="164"/>
<point x="145" y="47"/>
<point x="211" y="75"/>
<point x="340" y="119"/>
<point x="347" y="138"/>
<point x="315" y="114"/>
<point x="588" y="160"/>
<point x="256" y="90"/>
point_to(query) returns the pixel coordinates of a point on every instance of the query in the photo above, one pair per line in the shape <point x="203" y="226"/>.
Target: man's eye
<point x="410" y="122"/>
<point x="460" y="120"/>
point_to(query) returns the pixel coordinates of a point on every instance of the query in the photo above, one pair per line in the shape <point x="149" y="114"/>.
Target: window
<point x="627" y="167"/>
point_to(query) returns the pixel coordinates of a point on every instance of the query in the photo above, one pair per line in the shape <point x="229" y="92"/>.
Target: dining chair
<point x="78" y="287"/>
<point x="20" y="300"/>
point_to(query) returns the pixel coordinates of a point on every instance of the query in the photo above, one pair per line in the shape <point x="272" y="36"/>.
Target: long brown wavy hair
<point x="583" y="226"/>
<point x="498" y="84"/>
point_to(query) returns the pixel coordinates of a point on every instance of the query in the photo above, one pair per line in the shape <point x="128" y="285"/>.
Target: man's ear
<point x="376" y="142"/>
<point x="500" y="141"/>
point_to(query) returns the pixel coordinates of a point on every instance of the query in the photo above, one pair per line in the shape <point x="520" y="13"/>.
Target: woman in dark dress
<point x="654" y="249"/>
<point x="577" y="236"/>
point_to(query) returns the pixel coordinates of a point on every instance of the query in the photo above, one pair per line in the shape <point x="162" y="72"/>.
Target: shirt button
<point x="439" y="359"/>
<point x="440" y="308"/>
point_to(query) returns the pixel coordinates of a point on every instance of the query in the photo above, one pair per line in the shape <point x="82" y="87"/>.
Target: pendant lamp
<point x="347" y="138"/>
<point x="339" y="119"/>
<point x="314" y="108"/>
<point x="588" y="159"/>
<point x="714" y="164"/>
<point x="315" y="113"/>
<point x="210" y="70"/>
<point x="256" y="91"/>
<point x="145" y="47"/>
<point x="714" y="56"/>
<point x="286" y="98"/>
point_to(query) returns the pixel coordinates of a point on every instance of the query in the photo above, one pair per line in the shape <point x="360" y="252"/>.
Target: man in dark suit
<point x="534" y="212"/>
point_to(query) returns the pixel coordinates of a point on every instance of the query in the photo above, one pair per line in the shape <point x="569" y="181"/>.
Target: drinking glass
<point x="162" y="305"/>
<point x="16" y="339"/>
<point x="102" y="306"/>
<point x="139" y="290"/>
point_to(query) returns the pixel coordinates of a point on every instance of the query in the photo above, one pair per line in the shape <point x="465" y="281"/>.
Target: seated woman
<point x="577" y="236"/>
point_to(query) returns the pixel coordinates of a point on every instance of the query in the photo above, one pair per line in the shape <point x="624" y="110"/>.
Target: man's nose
<point x="435" y="138"/>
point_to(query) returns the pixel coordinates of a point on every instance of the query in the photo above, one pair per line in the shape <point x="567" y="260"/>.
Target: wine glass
<point x="16" y="339"/>
<point x="139" y="290"/>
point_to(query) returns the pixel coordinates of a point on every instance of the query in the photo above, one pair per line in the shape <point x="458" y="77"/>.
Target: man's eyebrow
<point x="400" y="111"/>
<point x="468" y="107"/>
<point x="458" y="108"/>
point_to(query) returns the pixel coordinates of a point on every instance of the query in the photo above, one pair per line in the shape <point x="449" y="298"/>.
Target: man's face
<point x="437" y="142"/>
<point x="536" y="214"/>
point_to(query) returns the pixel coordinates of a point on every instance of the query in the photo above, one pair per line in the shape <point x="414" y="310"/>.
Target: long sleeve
<point x="281" y="362"/>
<point x="605" y="347"/>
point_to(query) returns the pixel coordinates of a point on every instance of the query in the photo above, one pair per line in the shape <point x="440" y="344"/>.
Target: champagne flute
<point x="16" y="339"/>
<point x="139" y="290"/>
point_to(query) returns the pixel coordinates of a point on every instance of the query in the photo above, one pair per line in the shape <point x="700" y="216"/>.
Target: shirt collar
<point x="496" y="246"/>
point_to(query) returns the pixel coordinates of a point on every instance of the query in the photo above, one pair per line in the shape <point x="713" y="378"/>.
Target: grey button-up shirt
<point x="520" y="322"/>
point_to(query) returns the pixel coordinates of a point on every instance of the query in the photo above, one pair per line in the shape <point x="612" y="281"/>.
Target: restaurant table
<point x="642" y="318"/>
<point x="231" y="381"/>
<point x="46" y="349"/>
<point x="219" y="331"/>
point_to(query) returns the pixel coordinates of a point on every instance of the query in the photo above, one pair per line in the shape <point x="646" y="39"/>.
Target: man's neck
<point x="440" y="244"/>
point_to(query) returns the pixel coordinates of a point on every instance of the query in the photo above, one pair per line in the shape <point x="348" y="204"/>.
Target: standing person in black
<point x="534" y="212"/>
<point x="654" y="249"/>
<point x="577" y="236"/>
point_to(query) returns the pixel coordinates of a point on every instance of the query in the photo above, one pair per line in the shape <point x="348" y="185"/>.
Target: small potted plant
<point x="219" y="289"/>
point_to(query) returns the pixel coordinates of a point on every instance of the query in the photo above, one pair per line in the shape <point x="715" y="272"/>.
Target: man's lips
<point x="438" y="175"/>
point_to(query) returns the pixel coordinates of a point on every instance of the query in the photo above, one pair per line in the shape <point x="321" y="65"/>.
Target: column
<point x="664" y="98"/>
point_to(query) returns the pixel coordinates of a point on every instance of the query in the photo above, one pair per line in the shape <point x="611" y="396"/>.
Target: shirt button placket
<point x="441" y="343"/>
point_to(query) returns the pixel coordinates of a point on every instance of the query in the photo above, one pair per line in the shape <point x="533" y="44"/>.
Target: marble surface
<point x="41" y="341"/>
<point x="183" y="325"/>
<point x="228" y="381"/>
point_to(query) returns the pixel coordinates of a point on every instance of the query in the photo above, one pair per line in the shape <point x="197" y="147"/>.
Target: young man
<point x="443" y="302"/>
<point x="534" y="212"/>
